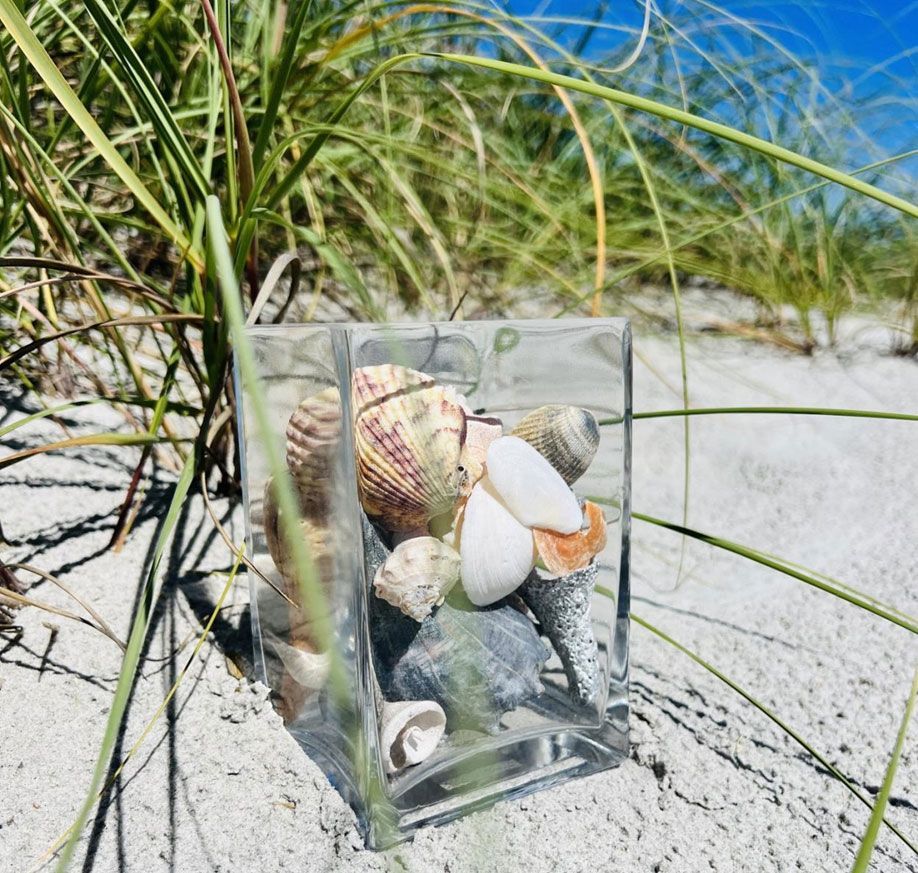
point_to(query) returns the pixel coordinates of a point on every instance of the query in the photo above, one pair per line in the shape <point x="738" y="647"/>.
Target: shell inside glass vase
<point x="463" y="490"/>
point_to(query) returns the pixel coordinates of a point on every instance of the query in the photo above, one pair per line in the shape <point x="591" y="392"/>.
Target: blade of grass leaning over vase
<point x="909" y="623"/>
<point x="786" y="728"/>
<point x="862" y="861"/>
<point x="311" y="591"/>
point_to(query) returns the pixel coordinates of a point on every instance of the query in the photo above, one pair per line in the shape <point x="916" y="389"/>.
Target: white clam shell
<point x="309" y="669"/>
<point x="409" y="731"/>
<point x="497" y="551"/>
<point x="531" y="488"/>
<point x="417" y="576"/>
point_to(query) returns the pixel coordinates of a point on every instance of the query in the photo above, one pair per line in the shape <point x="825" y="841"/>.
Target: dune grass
<point x="401" y="160"/>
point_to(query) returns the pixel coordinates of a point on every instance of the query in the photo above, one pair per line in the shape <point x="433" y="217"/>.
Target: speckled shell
<point x="562" y="607"/>
<point x="313" y="434"/>
<point x="476" y="663"/>
<point x="417" y="576"/>
<point x="566" y="436"/>
<point x="564" y="553"/>
<point x="408" y="434"/>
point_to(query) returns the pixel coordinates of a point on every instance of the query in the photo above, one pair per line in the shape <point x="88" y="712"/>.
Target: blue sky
<point x="852" y="41"/>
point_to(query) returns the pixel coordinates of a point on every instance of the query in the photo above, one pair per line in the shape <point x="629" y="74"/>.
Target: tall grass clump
<point x="330" y="159"/>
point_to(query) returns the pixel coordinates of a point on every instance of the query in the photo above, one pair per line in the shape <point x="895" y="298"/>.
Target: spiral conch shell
<point x="566" y="436"/>
<point x="564" y="553"/>
<point x="408" y="433"/>
<point x="417" y="576"/>
<point x="313" y="434"/>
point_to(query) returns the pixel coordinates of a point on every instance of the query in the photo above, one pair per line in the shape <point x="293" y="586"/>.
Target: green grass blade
<point x="862" y="861"/>
<point x="157" y="110"/>
<point x="221" y="264"/>
<point x="770" y="410"/>
<point x="30" y="46"/>
<point x="794" y="735"/>
<point x="679" y="116"/>
<point x="909" y="623"/>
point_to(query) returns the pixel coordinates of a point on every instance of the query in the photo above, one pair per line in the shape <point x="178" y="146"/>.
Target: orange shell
<point x="564" y="553"/>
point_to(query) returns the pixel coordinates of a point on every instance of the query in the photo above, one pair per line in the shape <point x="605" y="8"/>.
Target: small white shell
<point x="497" y="551"/>
<point x="309" y="669"/>
<point x="531" y="488"/>
<point x="409" y="731"/>
<point x="417" y="576"/>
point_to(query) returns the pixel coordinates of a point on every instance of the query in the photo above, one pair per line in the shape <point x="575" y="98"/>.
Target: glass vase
<point x="417" y="654"/>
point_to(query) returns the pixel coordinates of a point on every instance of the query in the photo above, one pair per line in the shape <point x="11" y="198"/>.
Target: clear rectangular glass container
<point x="338" y="658"/>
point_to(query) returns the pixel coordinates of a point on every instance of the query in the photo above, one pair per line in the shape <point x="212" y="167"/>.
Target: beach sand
<point x="711" y="785"/>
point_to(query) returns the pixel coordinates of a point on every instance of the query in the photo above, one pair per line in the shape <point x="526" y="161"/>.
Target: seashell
<point x="417" y="576"/>
<point x="479" y="434"/>
<point x="313" y="435"/>
<point x="566" y="436"/>
<point x="562" y="607"/>
<point x="497" y="551"/>
<point x="564" y="553"/>
<point x="408" y="436"/>
<point x="476" y="663"/>
<point x="531" y="488"/>
<point x="409" y="731"/>
<point x="307" y="668"/>
<point x="316" y="534"/>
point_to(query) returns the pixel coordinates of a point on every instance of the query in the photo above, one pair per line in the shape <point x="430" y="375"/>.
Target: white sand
<point x="711" y="785"/>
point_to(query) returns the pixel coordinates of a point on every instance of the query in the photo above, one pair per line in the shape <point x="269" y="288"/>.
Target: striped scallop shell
<point x="566" y="436"/>
<point x="313" y="434"/>
<point x="408" y="434"/>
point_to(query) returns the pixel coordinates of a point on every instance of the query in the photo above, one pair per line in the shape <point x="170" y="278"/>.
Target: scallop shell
<point x="476" y="663"/>
<point x="566" y="436"/>
<point x="408" y="437"/>
<point x="479" y="434"/>
<point x="409" y="732"/>
<point x="417" y="576"/>
<point x="564" y="553"/>
<point x="497" y="551"/>
<point x="562" y="607"/>
<point x="531" y="488"/>
<point x="313" y="435"/>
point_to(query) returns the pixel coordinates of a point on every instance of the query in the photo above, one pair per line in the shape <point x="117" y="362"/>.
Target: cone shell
<point x="566" y="436"/>
<point x="313" y="434"/>
<point x="408" y="434"/>
<point x="409" y="731"/>
<point x="564" y="553"/>
<point x="562" y="607"/>
<point x="417" y="576"/>
<point x="531" y="488"/>
<point x="497" y="551"/>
